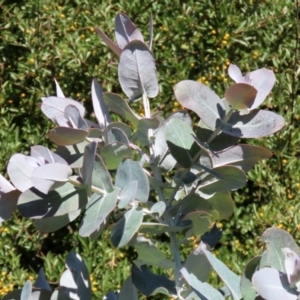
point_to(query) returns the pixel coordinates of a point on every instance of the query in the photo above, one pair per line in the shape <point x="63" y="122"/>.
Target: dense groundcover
<point x="194" y="40"/>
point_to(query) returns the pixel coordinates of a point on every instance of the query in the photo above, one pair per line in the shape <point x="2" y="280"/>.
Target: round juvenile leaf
<point x="241" y="96"/>
<point x="272" y="284"/>
<point x="137" y="71"/>
<point x="126" y="227"/>
<point x="255" y="124"/>
<point x="98" y="209"/>
<point x="200" y="99"/>
<point x="113" y="154"/>
<point x="180" y="141"/>
<point x="126" y="31"/>
<point x="130" y="171"/>
<point x="119" y="106"/>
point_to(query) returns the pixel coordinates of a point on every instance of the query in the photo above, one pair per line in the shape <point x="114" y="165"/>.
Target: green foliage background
<point x="40" y="40"/>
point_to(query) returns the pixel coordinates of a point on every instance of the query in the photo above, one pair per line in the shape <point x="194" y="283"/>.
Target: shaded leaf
<point x="246" y="285"/>
<point x="8" y="203"/>
<point x="233" y="178"/>
<point x="201" y="221"/>
<point x="73" y="154"/>
<point x="180" y="141"/>
<point x="276" y="239"/>
<point x="142" y="129"/>
<point x="119" y="106"/>
<point x="116" y="135"/>
<point x="200" y="99"/>
<point x="88" y="165"/>
<point x="51" y="224"/>
<point x="128" y="290"/>
<point x="212" y="237"/>
<point x="197" y="264"/>
<point x="126" y="227"/>
<point x="241" y="96"/>
<point x="97" y="210"/>
<point x="221" y="142"/>
<point x="150" y="284"/>
<point x="114" y="154"/>
<point x="160" y="144"/>
<point x="243" y="156"/>
<point x="223" y="204"/>
<point x="64" y="136"/>
<point x="255" y="124"/>
<point x="137" y="71"/>
<point x="101" y="177"/>
<point x="65" y="199"/>
<point x="41" y="281"/>
<point x="72" y="114"/>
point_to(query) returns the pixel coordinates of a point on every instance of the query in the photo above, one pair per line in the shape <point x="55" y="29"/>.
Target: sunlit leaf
<point x="272" y="284"/>
<point x="130" y="171"/>
<point x="126" y="227"/>
<point x="200" y="99"/>
<point x="99" y="105"/>
<point x="137" y="71"/>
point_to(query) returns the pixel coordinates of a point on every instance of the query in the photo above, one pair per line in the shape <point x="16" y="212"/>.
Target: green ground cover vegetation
<point x="197" y="40"/>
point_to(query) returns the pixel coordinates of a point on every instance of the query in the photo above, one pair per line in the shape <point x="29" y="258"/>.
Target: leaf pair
<point x="212" y="110"/>
<point x="136" y="69"/>
<point x="43" y="170"/>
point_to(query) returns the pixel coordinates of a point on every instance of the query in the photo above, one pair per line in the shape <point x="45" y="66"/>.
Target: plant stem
<point x="161" y="197"/>
<point x="218" y="129"/>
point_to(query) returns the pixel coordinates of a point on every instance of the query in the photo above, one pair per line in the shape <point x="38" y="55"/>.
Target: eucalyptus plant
<point x="172" y="175"/>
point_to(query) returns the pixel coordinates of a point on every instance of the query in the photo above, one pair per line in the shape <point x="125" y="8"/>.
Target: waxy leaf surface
<point x="255" y="124"/>
<point x="150" y="284"/>
<point x="205" y="289"/>
<point x="180" y="141"/>
<point x="126" y="31"/>
<point x="99" y="105"/>
<point x="272" y="284"/>
<point x="65" y="199"/>
<point x="130" y="171"/>
<point x="97" y="210"/>
<point x="126" y="227"/>
<point x="200" y="99"/>
<point x="119" y="106"/>
<point x="137" y="71"/>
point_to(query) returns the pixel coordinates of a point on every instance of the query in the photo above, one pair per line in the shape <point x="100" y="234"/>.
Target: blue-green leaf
<point x="97" y="210"/>
<point x="231" y="280"/>
<point x="126" y="227"/>
<point x="130" y="171"/>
